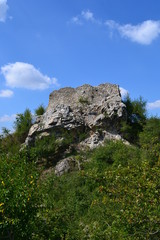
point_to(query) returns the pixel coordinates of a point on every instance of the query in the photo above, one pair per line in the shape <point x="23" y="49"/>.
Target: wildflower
<point x="3" y="183"/>
<point x="1" y="204"/>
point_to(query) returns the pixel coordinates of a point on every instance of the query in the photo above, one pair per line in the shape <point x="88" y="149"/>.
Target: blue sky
<point x="48" y="44"/>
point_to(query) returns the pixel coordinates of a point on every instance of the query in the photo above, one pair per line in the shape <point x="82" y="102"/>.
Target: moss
<point x="83" y="100"/>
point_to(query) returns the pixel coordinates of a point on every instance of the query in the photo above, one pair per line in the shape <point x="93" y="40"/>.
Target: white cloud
<point x="24" y="75"/>
<point x="7" y="118"/>
<point x="87" y="15"/>
<point x="143" y="33"/>
<point x="123" y="92"/>
<point x="6" y="93"/>
<point x="76" y="20"/>
<point x="154" y="105"/>
<point x="3" y="10"/>
<point x="111" y="24"/>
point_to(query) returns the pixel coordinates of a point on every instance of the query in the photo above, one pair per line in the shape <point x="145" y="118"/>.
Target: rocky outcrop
<point x="78" y="108"/>
<point x="94" y="112"/>
<point x="98" y="138"/>
<point x="67" y="165"/>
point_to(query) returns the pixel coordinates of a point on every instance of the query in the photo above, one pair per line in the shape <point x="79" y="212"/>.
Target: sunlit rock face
<point x="85" y="108"/>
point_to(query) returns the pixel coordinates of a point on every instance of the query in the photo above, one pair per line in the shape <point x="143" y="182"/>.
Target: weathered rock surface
<point x="95" y="111"/>
<point x="98" y="138"/>
<point x="66" y="165"/>
<point x="85" y="106"/>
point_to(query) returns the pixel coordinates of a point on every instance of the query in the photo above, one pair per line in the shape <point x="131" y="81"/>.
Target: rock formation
<point x="95" y="112"/>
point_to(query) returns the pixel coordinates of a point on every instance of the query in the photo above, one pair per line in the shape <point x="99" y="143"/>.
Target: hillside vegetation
<point x="114" y="195"/>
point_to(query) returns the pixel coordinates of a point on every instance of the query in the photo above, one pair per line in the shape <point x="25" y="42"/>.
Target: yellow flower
<point x="3" y="183"/>
<point x="31" y="176"/>
<point x="31" y="182"/>
<point x="1" y="204"/>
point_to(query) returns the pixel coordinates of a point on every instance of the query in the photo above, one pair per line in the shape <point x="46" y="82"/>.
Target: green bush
<point x="112" y="202"/>
<point x="40" y="110"/>
<point x="9" y="143"/>
<point x="22" y="125"/>
<point x="116" y="153"/>
<point x="45" y="146"/>
<point x="150" y="138"/>
<point x="50" y="148"/>
<point x="18" y="196"/>
<point x="136" y="119"/>
<point x="115" y="196"/>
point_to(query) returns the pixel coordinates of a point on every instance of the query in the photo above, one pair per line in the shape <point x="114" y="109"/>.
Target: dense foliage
<point x="22" y="125"/>
<point x="150" y="138"/>
<point x="136" y="119"/>
<point x="115" y="195"/>
<point x="40" y="110"/>
<point x="104" y="201"/>
<point x="18" y="196"/>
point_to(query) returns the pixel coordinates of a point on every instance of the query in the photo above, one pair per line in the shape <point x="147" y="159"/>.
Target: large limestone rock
<point x="89" y="114"/>
<point x="84" y="108"/>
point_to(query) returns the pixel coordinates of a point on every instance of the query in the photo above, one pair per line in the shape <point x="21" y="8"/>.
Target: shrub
<point x="150" y="138"/>
<point x="18" y="196"/>
<point x="112" y="202"/>
<point x="116" y="153"/>
<point x="40" y="110"/>
<point x="136" y="119"/>
<point x="22" y="125"/>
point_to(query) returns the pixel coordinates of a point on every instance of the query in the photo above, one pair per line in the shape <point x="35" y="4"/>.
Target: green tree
<point x="22" y="125"/>
<point x="40" y="110"/>
<point x="8" y="142"/>
<point x="150" y="137"/>
<point x="136" y="119"/>
<point x="5" y="132"/>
